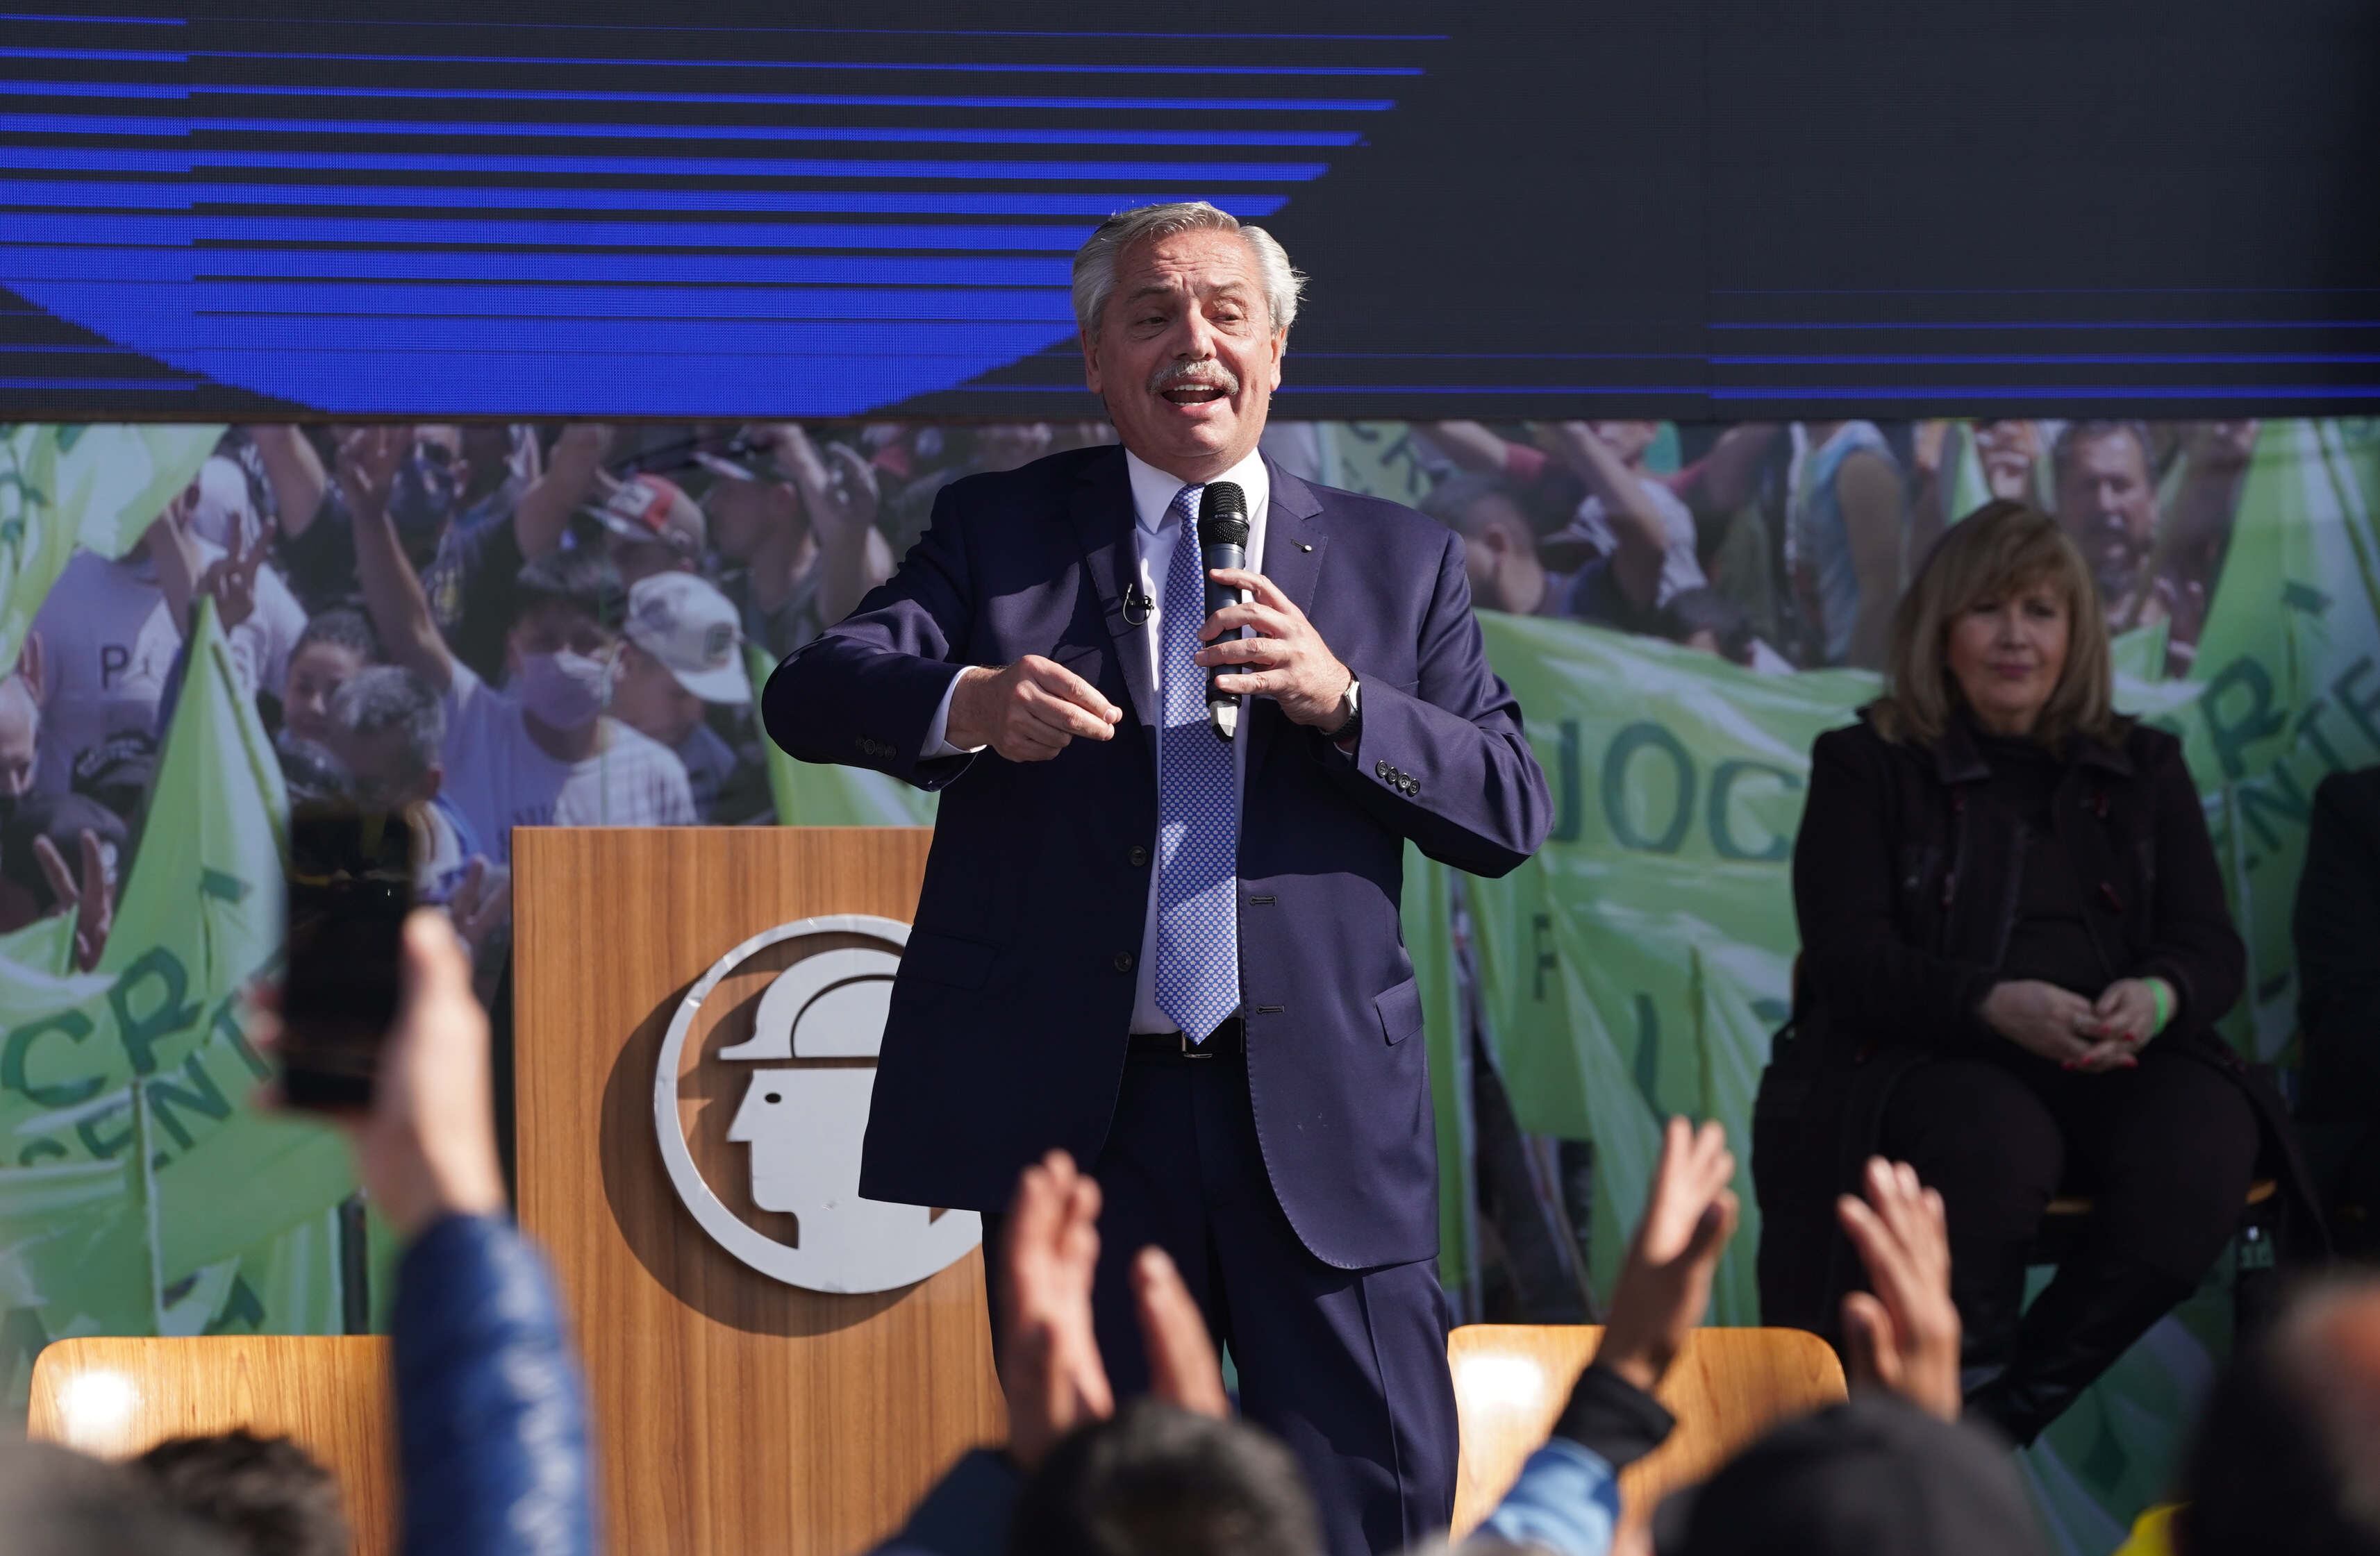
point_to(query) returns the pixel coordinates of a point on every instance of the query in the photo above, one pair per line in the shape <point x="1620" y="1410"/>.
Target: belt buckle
<point x="1192" y="1050"/>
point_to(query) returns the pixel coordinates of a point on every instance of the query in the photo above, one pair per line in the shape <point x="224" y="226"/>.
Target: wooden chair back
<point x="1727" y="1387"/>
<point x="116" y="1398"/>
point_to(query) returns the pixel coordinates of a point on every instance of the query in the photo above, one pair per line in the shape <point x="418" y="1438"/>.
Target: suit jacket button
<point x="1139" y="856"/>
<point x="1123" y="961"/>
<point x="1379" y="769"/>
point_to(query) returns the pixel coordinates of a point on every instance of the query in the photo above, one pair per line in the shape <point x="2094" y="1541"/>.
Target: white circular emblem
<point x="801" y="1121"/>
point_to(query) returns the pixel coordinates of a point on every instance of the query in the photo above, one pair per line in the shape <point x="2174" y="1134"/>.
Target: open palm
<point x="1666" y="1282"/>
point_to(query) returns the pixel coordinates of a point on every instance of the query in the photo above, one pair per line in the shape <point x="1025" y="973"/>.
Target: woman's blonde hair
<point x="2001" y="547"/>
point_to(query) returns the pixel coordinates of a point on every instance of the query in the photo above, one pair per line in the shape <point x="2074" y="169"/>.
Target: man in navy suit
<point x="1174" y="957"/>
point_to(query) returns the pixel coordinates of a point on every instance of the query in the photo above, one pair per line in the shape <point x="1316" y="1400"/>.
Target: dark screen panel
<point x="2041" y="204"/>
<point x="1725" y="210"/>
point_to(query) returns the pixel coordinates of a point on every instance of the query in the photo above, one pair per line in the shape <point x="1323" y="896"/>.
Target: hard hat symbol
<point x="802" y="1122"/>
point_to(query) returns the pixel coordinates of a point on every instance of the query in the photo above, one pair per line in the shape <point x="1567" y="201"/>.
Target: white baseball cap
<point x="690" y="627"/>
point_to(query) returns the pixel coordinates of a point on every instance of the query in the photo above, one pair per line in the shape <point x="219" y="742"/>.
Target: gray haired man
<point x="1175" y="956"/>
<point x="388" y="729"/>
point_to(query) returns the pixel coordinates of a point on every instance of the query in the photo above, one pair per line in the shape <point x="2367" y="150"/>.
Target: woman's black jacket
<point x="1905" y="884"/>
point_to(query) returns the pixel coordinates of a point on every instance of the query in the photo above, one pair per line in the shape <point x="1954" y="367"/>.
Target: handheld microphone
<point x="1222" y="542"/>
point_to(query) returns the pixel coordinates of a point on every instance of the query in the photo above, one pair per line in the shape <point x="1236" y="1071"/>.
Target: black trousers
<point x="2166" y="1153"/>
<point x="1347" y="1366"/>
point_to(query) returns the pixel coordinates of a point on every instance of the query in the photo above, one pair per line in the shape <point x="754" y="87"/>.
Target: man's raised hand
<point x="368" y="458"/>
<point x="1287" y="660"/>
<point x="1028" y="711"/>
<point x="231" y="580"/>
<point x="91" y="898"/>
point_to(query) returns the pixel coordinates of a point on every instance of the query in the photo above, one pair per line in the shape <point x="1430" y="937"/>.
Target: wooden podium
<point x="736" y="1414"/>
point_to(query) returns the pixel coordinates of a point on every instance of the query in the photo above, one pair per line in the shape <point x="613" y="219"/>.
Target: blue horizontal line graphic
<point x="900" y="31"/>
<point x="825" y="99"/>
<point x="137" y="56"/>
<point x="113" y="385"/>
<point x="776" y="304"/>
<point x="409" y="358"/>
<point x="182" y="195"/>
<point x="187" y="94"/>
<point x="745" y="167"/>
<point x="180" y="264"/>
<point x="970" y="67"/>
<point x="2052" y="392"/>
<point x="2091" y="359"/>
<point x="553" y="234"/>
<point x="2070" y="325"/>
<point x="174" y="331"/>
<point x="92" y="88"/>
<point x="82" y="159"/>
<point x="94" y="22"/>
<point x="175" y="56"/>
<point x="179" y="125"/>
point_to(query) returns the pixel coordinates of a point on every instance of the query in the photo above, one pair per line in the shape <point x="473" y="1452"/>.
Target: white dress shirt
<point x="1154" y="535"/>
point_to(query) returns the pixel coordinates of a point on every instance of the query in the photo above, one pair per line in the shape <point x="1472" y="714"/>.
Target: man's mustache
<point x="1195" y="375"/>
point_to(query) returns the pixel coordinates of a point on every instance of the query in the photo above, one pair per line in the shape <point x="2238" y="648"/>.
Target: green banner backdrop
<point x="139" y="1193"/>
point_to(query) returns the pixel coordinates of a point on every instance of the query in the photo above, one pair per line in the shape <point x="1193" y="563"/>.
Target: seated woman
<point x="2014" y="950"/>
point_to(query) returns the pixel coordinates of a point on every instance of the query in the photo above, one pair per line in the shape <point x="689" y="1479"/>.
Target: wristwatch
<point x="1350" y="715"/>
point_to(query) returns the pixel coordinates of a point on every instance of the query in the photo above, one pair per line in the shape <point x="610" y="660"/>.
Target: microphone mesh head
<point x="1222" y="515"/>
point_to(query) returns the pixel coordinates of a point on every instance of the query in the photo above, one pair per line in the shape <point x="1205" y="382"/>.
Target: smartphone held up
<point x="349" y="878"/>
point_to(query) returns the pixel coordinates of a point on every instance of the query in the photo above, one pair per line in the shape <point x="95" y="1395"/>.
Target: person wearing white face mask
<point x="540" y="753"/>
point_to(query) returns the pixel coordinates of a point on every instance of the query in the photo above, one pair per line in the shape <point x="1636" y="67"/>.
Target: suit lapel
<point x="1294" y="542"/>
<point x="1100" y="512"/>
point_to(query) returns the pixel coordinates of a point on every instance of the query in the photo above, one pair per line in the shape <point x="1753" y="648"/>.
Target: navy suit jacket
<point x="1009" y="1016"/>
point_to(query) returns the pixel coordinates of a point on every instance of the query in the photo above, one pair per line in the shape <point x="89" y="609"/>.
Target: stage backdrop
<point x="1635" y="969"/>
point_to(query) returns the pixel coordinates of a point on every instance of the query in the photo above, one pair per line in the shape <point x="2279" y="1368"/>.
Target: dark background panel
<point x="2041" y="204"/>
<point x="1719" y="211"/>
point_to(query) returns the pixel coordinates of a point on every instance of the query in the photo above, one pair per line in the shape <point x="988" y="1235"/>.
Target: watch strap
<point x="1354" y="720"/>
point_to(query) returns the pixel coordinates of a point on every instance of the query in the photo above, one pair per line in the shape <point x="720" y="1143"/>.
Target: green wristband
<point x="2164" y="1003"/>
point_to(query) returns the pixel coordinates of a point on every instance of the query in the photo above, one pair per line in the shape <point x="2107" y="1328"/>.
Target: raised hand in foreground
<point x="1665" y="1282"/>
<point x="1564" y="1500"/>
<point x="1902" y="1334"/>
<point x="426" y="1148"/>
<point x="1050" y="1366"/>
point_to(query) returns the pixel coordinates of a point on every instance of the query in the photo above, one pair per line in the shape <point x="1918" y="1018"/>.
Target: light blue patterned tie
<point x="1198" y="811"/>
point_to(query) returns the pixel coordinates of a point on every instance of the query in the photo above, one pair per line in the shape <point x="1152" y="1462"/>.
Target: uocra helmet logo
<point x="797" y="1125"/>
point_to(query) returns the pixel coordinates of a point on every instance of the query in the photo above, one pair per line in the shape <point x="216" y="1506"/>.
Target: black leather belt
<point x="1228" y="1039"/>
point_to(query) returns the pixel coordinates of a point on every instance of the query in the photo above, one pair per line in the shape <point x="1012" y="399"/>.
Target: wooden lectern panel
<point x="117" y="1398"/>
<point x="736" y="1413"/>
